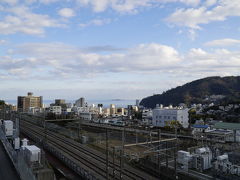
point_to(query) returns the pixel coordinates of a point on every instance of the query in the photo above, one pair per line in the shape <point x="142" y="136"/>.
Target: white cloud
<point x="48" y="1"/>
<point x="21" y="19"/>
<point x="11" y="2"/>
<point x="95" y="22"/>
<point x="58" y="60"/>
<point x="66" y="12"/>
<point x="189" y="17"/>
<point x="30" y="1"/>
<point x="187" y="2"/>
<point x="192" y="34"/>
<point x="218" y="62"/>
<point x="223" y="42"/>
<point x="2" y="41"/>
<point x="210" y="2"/>
<point x="117" y="5"/>
<point x="193" y="17"/>
<point x="129" y="6"/>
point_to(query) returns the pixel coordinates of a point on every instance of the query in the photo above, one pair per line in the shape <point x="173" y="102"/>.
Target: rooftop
<point x="224" y="125"/>
<point x="200" y="126"/>
<point x="220" y="132"/>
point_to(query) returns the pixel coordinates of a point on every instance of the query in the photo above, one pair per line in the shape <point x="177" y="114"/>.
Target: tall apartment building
<point x="112" y="109"/>
<point x="80" y="102"/>
<point x="24" y="103"/>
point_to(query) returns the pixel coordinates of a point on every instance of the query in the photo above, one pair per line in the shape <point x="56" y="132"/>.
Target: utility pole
<point x="122" y="152"/>
<point x="45" y="129"/>
<point x="107" y="153"/>
<point x="146" y="135"/>
<point x="159" y="160"/>
<point x="136" y="137"/>
<point x="113" y="162"/>
<point x="79" y="127"/>
<point x="121" y="163"/>
<point x="4" y="111"/>
<point x="166" y="154"/>
<point x="17" y="126"/>
<point x="123" y="139"/>
<point x="175" y="153"/>
<point x="150" y="134"/>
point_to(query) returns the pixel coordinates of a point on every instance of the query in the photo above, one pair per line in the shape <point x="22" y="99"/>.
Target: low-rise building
<point x="199" y="128"/>
<point x="120" y="111"/>
<point x="55" y="110"/>
<point x="200" y="160"/>
<point x="147" y="116"/>
<point x="87" y="116"/>
<point x="219" y="135"/>
<point x="106" y="111"/>
<point x="225" y="167"/>
<point x="162" y="116"/>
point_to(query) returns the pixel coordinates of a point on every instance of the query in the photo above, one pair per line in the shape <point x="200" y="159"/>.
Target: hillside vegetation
<point x="198" y="91"/>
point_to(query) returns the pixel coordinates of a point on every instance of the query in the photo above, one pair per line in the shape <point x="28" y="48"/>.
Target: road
<point x="7" y="170"/>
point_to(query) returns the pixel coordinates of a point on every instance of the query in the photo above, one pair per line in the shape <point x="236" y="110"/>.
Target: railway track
<point x="93" y="161"/>
<point x="76" y="157"/>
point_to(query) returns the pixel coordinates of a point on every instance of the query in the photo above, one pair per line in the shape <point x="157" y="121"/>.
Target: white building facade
<point x="87" y="116"/>
<point x="56" y="110"/>
<point x="162" y="116"/>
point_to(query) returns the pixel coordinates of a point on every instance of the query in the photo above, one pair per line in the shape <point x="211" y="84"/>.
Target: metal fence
<point x="17" y="159"/>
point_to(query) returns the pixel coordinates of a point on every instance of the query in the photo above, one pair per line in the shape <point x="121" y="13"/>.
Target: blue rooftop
<point x="200" y="126"/>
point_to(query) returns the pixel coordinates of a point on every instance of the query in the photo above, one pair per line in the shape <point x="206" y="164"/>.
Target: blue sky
<point x="105" y="49"/>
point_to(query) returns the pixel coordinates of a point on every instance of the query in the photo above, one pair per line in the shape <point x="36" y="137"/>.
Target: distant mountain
<point x="220" y="89"/>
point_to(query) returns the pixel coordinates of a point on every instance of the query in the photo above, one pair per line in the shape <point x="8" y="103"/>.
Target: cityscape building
<point x="80" y="102"/>
<point x="112" y="109"/>
<point x="24" y="103"/>
<point x="59" y="102"/>
<point x="162" y="116"/>
<point x="137" y="102"/>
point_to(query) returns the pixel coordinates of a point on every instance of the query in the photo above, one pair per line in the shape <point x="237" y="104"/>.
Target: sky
<point x="107" y="49"/>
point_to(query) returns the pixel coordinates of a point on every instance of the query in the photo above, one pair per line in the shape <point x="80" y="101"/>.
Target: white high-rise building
<point x="162" y="116"/>
<point x="137" y="102"/>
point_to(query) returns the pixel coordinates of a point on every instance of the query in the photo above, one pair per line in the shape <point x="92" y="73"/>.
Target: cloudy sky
<point x="104" y="49"/>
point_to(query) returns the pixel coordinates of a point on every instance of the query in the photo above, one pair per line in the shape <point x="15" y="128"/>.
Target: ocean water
<point x="106" y="103"/>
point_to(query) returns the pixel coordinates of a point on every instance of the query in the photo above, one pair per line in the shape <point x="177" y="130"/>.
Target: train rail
<point x="93" y="161"/>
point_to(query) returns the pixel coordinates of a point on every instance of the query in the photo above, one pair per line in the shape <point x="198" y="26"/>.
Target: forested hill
<point x="198" y="91"/>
